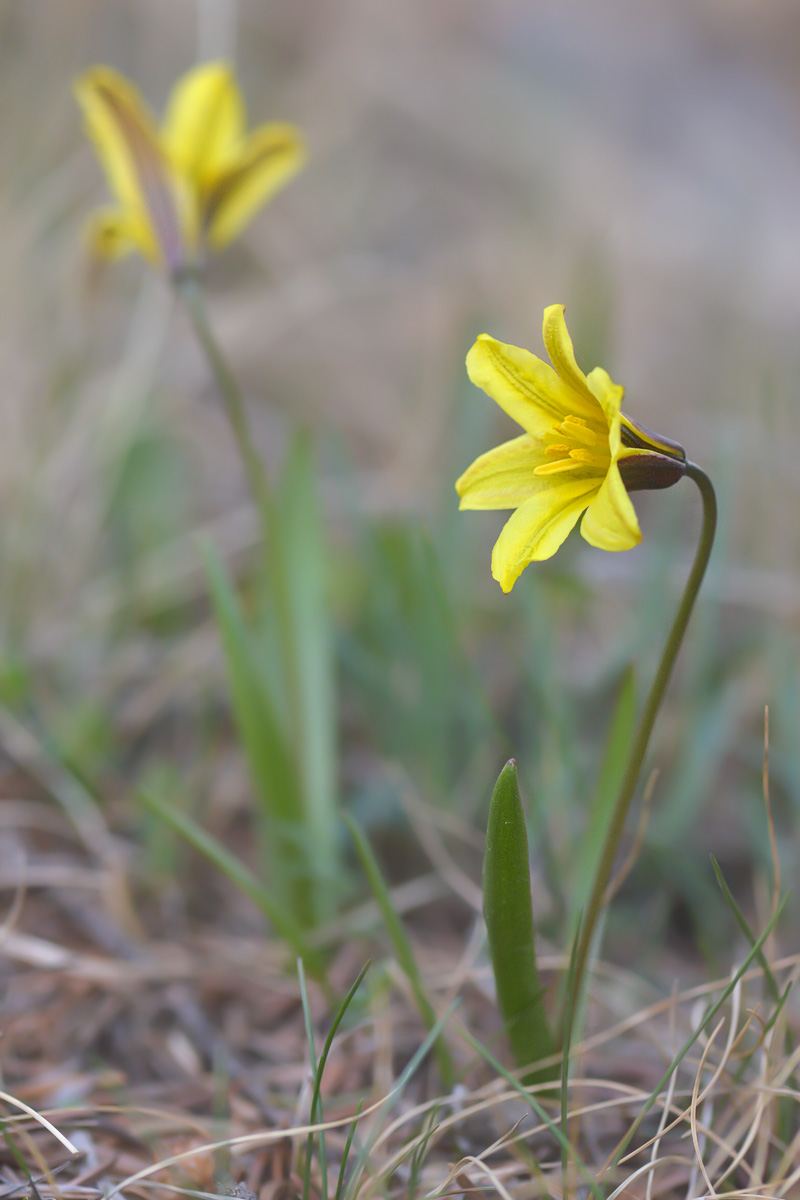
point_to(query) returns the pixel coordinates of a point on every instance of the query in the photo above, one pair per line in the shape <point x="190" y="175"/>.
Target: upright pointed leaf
<point x="509" y="925"/>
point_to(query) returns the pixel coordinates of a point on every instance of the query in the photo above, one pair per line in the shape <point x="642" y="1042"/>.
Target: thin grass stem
<point x="316" y="1104"/>
<point x="348" y="1145"/>
<point x="235" y="870"/>
<point x="539" y="1111"/>
<point x="401" y="944"/>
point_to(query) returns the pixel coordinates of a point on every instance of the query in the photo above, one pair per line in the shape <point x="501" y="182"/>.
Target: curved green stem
<point x="596" y="900"/>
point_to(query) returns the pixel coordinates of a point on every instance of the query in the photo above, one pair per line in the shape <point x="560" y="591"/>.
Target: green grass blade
<point x="309" y="1027"/>
<point x="741" y="921"/>
<point x="401" y="944"/>
<point x="348" y="1145"/>
<point x="318" y="1069"/>
<point x="315" y="1111"/>
<point x="394" y="1098"/>
<point x="283" y="837"/>
<point x="569" y="1021"/>
<point x="420" y="1153"/>
<point x="541" y="1113"/>
<point x="687" y="1045"/>
<point x="509" y="926"/>
<point x="305" y="552"/>
<point x="235" y="870"/>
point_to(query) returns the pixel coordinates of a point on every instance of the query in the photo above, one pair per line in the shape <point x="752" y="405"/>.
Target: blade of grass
<point x="540" y="1113"/>
<point x="234" y="869"/>
<point x="401" y="944"/>
<point x="741" y="921"/>
<point x="346" y="1152"/>
<point x="509" y="926"/>
<point x="785" y="1104"/>
<point x="620" y="1149"/>
<point x="420" y="1153"/>
<point x="278" y="788"/>
<point x="569" y="1017"/>
<point x="394" y="1098"/>
<point x="316" y="1103"/>
<point x="312" y="1059"/>
<point x="305" y="550"/>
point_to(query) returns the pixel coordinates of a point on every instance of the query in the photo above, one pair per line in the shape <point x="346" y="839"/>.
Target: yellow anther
<point x="591" y="458"/>
<point x="558" y="449"/>
<point x="580" y="431"/>
<point x="556" y="468"/>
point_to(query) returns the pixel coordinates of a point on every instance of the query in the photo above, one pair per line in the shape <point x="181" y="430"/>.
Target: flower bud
<point x="641" y="438"/>
<point x="649" y="471"/>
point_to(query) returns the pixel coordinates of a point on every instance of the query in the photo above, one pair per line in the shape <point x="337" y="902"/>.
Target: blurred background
<point x="469" y="164"/>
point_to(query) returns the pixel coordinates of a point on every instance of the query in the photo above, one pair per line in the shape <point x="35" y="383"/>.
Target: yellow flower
<point x="194" y="182"/>
<point x="579" y="453"/>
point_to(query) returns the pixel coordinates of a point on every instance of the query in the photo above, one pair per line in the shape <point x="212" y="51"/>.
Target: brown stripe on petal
<point x="153" y="179"/>
<point x="226" y="184"/>
<point x="649" y="471"/>
<point x="641" y="438"/>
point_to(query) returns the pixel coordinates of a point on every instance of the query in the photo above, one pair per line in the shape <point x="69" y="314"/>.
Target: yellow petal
<point x="115" y="232"/>
<point x="267" y="159"/>
<point x="539" y="526"/>
<point x="610" y="522"/>
<point x="128" y="147"/>
<point x="204" y="119"/>
<point x="609" y="396"/>
<point x="111" y="106"/>
<point x="558" y="344"/>
<point x="503" y="477"/>
<point x="526" y="388"/>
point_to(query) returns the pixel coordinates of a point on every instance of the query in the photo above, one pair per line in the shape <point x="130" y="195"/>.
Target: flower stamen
<point x="580" y="431"/>
<point x="592" y="458"/>
<point x="582" y="446"/>
<point x="556" y="468"/>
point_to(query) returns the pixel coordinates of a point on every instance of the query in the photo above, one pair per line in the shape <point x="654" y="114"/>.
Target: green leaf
<point x="509" y="925"/>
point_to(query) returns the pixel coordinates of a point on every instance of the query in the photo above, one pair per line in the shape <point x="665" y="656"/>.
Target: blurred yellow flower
<point x="579" y="453"/>
<point x="197" y="180"/>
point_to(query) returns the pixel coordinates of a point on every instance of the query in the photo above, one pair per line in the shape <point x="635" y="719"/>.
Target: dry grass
<point x="171" y="1052"/>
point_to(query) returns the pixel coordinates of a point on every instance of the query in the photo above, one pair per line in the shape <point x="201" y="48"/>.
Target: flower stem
<point x="272" y="534"/>
<point x="190" y="293"/>
<point x="596" y="901"/>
